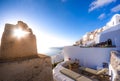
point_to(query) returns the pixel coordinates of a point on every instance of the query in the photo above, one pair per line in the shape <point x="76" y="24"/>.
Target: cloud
<point x="99" y="3"/>
<point x="101" y="16"/>
<point x="116" y="8"/>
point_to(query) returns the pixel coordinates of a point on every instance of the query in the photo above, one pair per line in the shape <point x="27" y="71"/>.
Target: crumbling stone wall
<point x="29" y="69"/>
<point x="115" y="62"/>
<point x="11" y="47"/>
<point x="19" y="60"/>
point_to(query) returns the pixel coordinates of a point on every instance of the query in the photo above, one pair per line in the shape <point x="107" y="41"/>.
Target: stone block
<point x="19" y="60"/>
<point x="13" y="47"/>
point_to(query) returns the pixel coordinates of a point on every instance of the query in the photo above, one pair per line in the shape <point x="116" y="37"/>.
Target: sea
<point x="54" y="51"/>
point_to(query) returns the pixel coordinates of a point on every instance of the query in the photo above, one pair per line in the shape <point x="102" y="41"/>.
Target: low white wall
<point x="89" y="57"/>
<point x="58" y="76"/>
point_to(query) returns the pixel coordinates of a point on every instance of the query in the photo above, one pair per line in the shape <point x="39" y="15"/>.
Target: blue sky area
<point x="65" y="20"/>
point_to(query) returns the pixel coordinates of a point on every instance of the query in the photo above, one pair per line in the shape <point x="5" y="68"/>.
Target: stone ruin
<point x="115" y="63"/>
<point x="19" y="60"/>
<point x="12" y="47"/>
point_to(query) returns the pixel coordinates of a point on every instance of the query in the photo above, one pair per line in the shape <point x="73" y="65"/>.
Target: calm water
<point x="54" y="51"/>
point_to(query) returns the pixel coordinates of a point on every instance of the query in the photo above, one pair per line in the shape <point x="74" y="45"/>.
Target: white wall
<point x="114" y="20"/>
<point x="89" y="57"/>
<point x="112" y="33"/>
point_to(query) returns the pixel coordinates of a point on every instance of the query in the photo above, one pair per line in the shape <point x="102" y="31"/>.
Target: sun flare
<point x="19" y="33"/>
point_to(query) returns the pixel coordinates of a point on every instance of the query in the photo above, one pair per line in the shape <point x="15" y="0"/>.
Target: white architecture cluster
<point x="114" y="21"/>
<point x="95" y="57"/>
<point x="93" y="36"/>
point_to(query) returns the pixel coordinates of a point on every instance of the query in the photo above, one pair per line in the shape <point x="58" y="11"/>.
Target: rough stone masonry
<point x="115" y="62"/>
<point x="19" y="60"/>
<point x="12" y="48"/>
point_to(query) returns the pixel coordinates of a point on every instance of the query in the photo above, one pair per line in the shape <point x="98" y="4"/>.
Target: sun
<point x="19" y="33"/>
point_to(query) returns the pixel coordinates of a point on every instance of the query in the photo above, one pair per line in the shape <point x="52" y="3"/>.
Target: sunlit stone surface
<point x="19" y="60"/>
<point x="115" y="62"/>
<point x="22" y="46"/>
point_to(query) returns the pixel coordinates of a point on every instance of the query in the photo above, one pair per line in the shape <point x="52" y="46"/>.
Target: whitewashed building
<point x="111" y="31"/>
<point x="95" y="57"/>
<point x="115" y="20"/>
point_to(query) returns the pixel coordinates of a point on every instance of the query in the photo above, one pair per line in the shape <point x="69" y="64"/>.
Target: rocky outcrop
<point x="115" y="63"/>
<point x="13" y="47"/>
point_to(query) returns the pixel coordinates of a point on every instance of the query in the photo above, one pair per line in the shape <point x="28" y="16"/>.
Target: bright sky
<point x="58" y="22"/>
